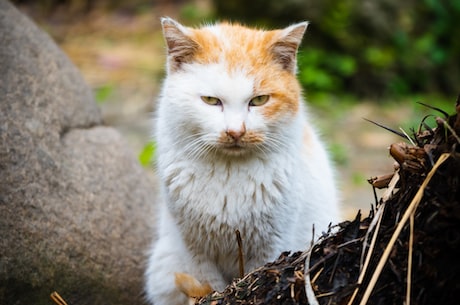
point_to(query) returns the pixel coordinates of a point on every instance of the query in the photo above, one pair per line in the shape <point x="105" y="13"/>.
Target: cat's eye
<point x="210" y="100"/>
<point x="259" y="100"/>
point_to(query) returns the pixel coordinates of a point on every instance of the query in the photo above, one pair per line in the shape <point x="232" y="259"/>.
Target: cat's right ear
<point x="180" y="46"/>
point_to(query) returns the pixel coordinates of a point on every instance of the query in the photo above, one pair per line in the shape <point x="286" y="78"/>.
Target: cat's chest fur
<point x="210" y="200"/>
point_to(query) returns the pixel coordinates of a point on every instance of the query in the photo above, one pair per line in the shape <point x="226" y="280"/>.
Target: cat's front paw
<point x="191" y="287"/>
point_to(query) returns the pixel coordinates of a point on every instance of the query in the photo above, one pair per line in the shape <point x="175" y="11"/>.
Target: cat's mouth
<point x="234" y="149"/>
<point x="241" y="145"/>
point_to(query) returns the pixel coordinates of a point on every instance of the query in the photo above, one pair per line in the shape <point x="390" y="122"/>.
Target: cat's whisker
<point x="181" y="141"/>
<point x="198" y="151"/>
<point x="274" y="144"/>
<point x="262" y="150"/>
<point x="184" y="140"/>
<point x="208" y="149"/>
<point x="199" y="147"/>
<point x="194" y="150"/>
<point x="196" y="146"/>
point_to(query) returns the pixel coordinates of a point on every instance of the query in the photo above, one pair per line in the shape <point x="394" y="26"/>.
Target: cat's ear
<point x="284" y="49"/>
<point x="180" y="46"/>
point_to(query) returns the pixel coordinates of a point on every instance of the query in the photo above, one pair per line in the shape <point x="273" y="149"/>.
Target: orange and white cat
<point x="236" y="151"/>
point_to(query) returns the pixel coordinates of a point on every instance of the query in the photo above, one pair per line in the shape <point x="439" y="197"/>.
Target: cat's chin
<point x="235" y="151"/>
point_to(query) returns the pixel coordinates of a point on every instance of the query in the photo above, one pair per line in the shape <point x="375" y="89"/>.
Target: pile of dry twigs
<point x="407" y="251"/>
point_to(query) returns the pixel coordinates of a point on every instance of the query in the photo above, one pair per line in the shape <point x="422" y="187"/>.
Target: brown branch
<point x="240" y="252"/>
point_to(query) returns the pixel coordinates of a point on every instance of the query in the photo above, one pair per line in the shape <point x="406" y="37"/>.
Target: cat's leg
<point x="208" y="273"/>
<point x="166" y="259"/>
<point x="169" y="257"/>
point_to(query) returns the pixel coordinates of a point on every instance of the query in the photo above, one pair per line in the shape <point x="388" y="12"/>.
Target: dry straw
<point x="408" y="214"/>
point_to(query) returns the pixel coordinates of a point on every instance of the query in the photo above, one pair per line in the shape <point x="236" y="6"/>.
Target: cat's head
<point x="230" y="89"/>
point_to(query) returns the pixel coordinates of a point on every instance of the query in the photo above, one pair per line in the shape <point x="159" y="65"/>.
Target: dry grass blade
<point x="409" y="259"/>
<point x="391" y="186"/>
<point x="57" y="299"/>
<point x="365" y="265"/>
<point x="374" y="224"/>
<point x="407" y="136"/>
<point x="411" y="208"/>
<point x="313" y="280"/>
<point x="446" y="115"/>
<point x="454" y="134"/>
<point x="402" y="135"/>
<point x="308" y="288"/>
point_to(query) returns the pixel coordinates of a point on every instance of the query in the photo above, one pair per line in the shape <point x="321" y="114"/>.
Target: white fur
<point x="273" y="197"/>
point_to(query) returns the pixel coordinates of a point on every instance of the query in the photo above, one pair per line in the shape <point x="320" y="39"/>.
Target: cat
<point x="235" y="151"/>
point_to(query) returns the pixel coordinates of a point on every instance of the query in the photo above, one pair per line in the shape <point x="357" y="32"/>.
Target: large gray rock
<point x="75" y="205"/>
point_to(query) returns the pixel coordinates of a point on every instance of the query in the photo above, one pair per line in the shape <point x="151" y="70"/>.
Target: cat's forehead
<point x="234" y="32"/>
<point x="216" y="80"/>
<point x="237" y="45"/>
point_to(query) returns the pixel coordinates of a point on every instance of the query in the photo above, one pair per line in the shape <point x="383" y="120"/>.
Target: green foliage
<point x="324" y="71"/>
<point x="413" y="121"/>
<point x="359" y="179"/>
<point x="147" y="154"/>
<point x="339" y="153"/>
<point x="381" y="48"/>
<point x="378" y="57"/>
<point x="103" y="93"/>
<point x="193" y="14"/>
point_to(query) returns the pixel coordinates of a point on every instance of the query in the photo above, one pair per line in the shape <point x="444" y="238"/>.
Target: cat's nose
<point x="235" y="134"/>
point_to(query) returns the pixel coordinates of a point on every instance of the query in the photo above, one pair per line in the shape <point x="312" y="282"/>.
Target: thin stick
<point x="450" y="129"/>
<point x="407" y="136"/>
<point x="240" y="252"/>
<point x="378" y="216"/>
<point x="311" y="298"/>
<point x="375" y="222"/>
<point x="386" y="128"/>
<point x="312" y="236"/>
<point x="411" y="208"/>
<point x="57" y="298"/>
<point x="409" y="259"/>
<point x="391" y="186"/>
<point x="317" y="275"/>
<point x="446" y="115"/>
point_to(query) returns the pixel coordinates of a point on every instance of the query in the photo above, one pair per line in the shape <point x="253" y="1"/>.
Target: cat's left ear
<point x="285" y="47"/>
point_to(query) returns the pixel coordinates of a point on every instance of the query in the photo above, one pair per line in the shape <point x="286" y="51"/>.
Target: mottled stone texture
<point x="75" y="205"/>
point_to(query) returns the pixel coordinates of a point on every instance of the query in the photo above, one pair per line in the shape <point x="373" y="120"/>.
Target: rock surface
<point x="76" y="208"/>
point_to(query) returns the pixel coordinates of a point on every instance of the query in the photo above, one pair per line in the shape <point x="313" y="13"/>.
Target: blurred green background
<point x="370" y="58"/>
<point x="368" y="48"/>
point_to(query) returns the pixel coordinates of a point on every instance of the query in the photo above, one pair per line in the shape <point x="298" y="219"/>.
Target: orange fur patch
<point x="249" y="137"/>
<point x="190" y="286"/>
<point x="308" y="140"/>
